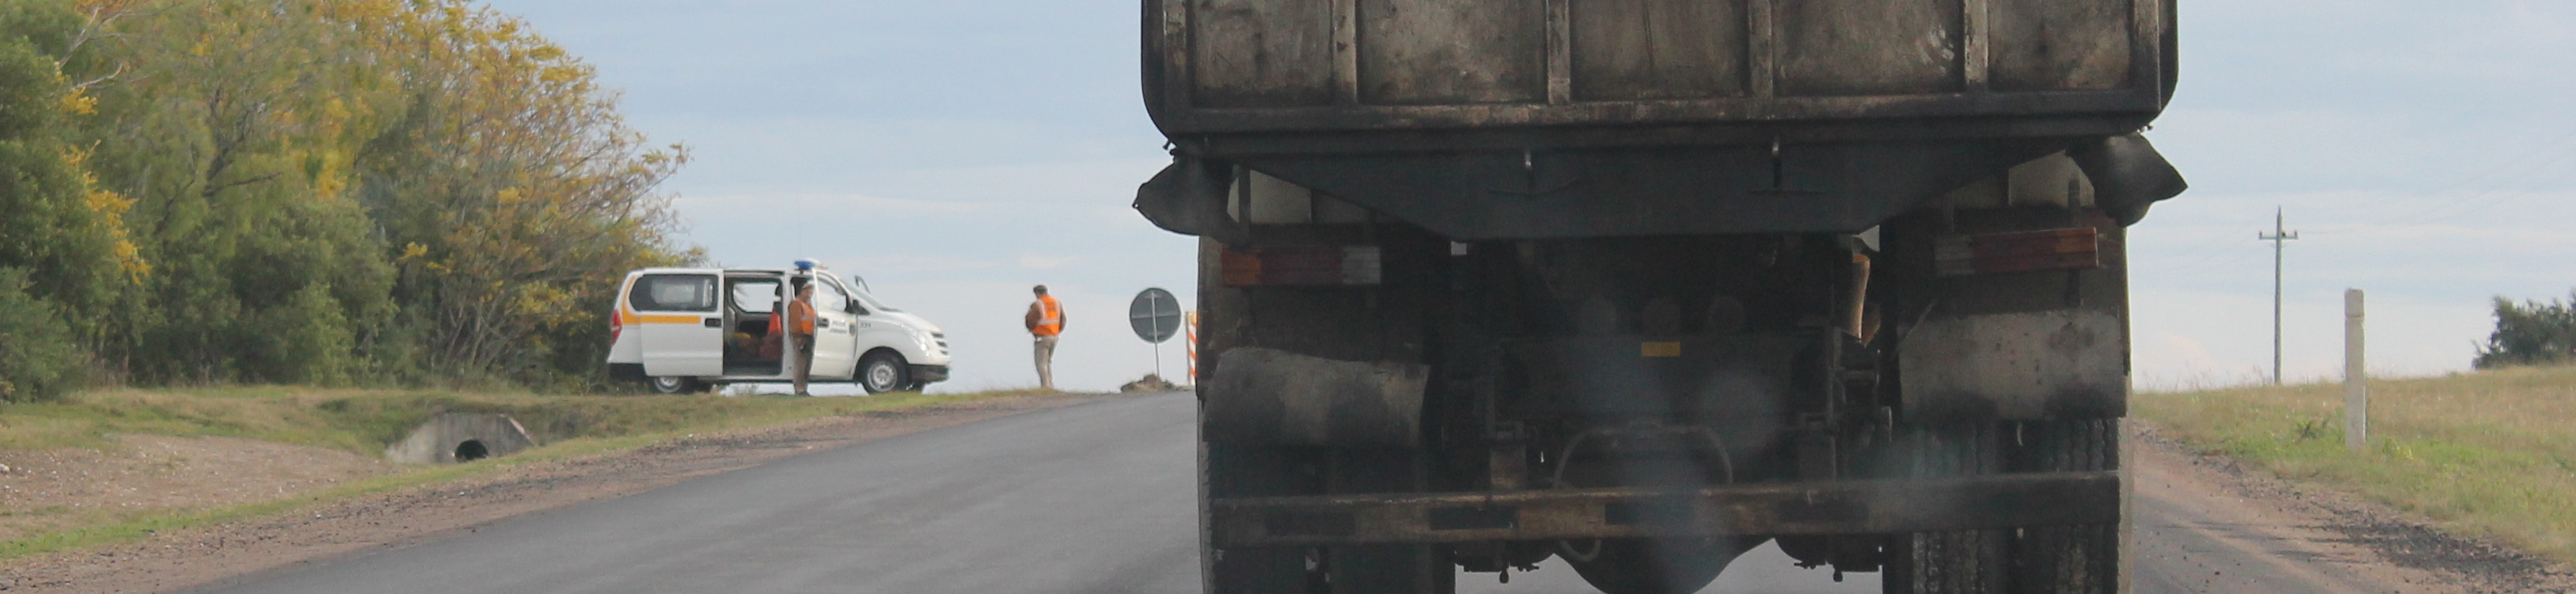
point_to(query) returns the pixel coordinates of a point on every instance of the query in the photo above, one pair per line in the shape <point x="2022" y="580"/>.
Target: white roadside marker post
<point x="2356" y="381"/>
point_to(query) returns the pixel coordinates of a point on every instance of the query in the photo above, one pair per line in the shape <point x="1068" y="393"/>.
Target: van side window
<point x="828" y="297"/>
<point x="673" y="292"/>
<point x="755" y="296"/>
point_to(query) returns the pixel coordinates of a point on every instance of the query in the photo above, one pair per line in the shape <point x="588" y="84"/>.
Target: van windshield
<point x="859" y="290"/>
<point x="871" y="301"/>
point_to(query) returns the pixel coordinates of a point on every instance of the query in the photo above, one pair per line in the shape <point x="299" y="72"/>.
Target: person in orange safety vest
<point x="1045" y="320"/>
<point x="799" y="323"/>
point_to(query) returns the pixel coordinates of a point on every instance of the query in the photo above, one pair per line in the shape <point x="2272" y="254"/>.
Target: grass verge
<point x="366" y="421"/>
<point x="2490" y="453"/>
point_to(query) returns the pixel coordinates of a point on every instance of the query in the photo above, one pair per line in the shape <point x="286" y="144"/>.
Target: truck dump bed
<point x="1305" y="66"/>
<point x="1589" y="118"/>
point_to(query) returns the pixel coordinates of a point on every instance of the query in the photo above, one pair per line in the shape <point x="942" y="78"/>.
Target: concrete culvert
<point x="461" y="437"/>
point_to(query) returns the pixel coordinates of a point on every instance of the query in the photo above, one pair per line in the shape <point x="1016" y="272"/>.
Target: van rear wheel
<point x="672" y="384"/>
<point x="884" y="371"/>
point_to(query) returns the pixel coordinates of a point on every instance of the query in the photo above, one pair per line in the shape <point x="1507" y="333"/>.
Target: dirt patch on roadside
<point x="180" y="560"/>
<point x="43" y="491"/>
<point x="2332" y="535"/>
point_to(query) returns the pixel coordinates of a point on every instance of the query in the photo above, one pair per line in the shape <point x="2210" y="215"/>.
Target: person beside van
<point x="1045" y="320"/>
<point x="799" y="324"/>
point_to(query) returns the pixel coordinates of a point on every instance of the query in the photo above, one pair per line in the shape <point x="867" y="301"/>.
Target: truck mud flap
<point x="1774" y="509"/>
<point x="2062" y="364"/>
<point x="1259" y="396"/>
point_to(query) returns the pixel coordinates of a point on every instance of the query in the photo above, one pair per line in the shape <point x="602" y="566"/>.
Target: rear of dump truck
<point x="1643" y="284"/>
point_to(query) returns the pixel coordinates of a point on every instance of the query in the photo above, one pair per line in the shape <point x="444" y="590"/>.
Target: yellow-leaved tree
<point x="367" y="191"/>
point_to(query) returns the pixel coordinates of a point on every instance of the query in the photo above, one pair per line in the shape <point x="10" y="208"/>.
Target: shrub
<point x="38" y="360"/>
<point x="2530" y="333"/>
<point x="309" y="341"/>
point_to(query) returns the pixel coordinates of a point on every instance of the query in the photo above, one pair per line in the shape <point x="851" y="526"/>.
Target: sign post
<point x="1156" y="316"/>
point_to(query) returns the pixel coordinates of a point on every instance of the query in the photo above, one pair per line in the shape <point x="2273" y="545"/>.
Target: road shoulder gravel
<point x="2210" y="524"/>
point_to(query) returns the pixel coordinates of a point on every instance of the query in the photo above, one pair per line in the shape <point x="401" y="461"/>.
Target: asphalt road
<point x="1095" y="498"/>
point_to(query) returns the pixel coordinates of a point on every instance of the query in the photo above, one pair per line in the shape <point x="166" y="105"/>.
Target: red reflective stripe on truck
<point x="2021" y="251"/>
<point x="1291" y="266"/>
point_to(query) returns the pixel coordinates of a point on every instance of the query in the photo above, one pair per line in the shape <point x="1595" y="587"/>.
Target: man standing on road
<point x="1045" y="321"/>
<point x="800" y="324"/>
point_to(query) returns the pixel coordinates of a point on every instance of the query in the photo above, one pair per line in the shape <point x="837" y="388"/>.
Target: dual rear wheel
<point x="2082" y="559"/>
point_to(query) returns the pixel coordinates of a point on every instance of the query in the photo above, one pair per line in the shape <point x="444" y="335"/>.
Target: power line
<point x="2547" y="152"/>
<point x="2428" y="216"/>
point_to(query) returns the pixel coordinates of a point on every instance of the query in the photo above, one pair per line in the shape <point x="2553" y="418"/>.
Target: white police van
<point x="691" y="329"/>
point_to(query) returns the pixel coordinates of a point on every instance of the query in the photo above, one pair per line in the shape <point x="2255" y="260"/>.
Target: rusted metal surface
<point x="1773" y="509"/>
<point x="1261" y="53"/>
<point x="1658" y="49"/>
<point x="2053" y="45"/>
<point x="1439" y="52"/>
<point x="1234" y="66"/>
<point x="1869" y="47"/>
<point x="1767" y="114"/>
<point x="1525" y="119"/>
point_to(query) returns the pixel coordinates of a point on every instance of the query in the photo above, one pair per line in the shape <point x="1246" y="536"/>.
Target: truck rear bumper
<point x="1839" y="507"/>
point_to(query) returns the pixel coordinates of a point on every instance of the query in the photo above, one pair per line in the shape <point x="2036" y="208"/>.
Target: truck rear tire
<point x="1959" y="562"/>
<point x="2081" y="559"/>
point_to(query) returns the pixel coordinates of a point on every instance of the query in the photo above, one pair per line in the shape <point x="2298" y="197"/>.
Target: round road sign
<point x="1155" y="315"/>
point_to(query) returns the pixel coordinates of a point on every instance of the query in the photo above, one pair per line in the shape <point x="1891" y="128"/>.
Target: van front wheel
<point x="672" y="384"/>
<point x="884" y="371"/>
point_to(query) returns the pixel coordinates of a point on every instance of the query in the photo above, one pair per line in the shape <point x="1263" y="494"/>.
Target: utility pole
<point x="2277" y="236"/>
<point x="2356" y="380"/>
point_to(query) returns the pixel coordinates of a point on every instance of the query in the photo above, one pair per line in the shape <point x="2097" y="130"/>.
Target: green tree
<point x="317" y="191"/>
<point x="2530" y="333"/>
<point x="60" y="239"/>
<point x="232" y="124"/>
<point x="516" y="194"/>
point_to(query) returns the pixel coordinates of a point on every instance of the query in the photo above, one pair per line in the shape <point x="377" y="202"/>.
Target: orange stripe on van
<point x="626" y="316"/>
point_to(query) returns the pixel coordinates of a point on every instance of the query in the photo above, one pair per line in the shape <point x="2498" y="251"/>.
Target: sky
<point x="954" y="153"/>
